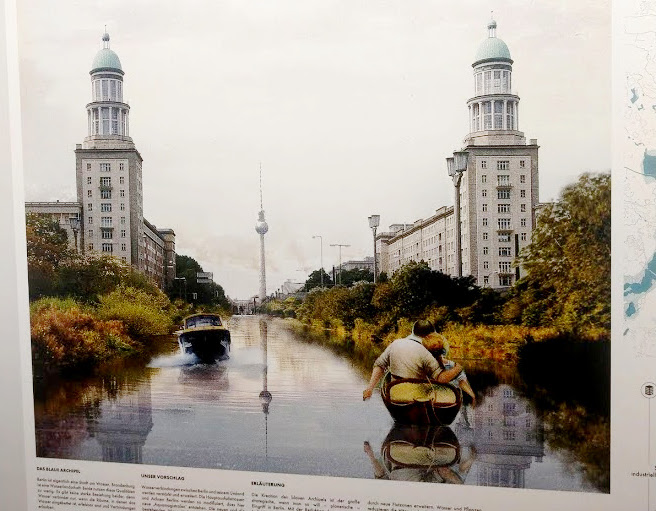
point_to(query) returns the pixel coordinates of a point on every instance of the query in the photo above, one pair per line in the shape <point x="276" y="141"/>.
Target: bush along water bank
<point x="501" y="343"/>
<point x="73" y="337"/>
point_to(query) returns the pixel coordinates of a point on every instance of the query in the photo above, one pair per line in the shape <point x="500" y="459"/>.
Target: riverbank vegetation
<point x="86" y="309"/>
<point x="564" y="293"/>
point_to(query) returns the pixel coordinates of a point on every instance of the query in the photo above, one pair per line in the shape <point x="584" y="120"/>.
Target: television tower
<point x="262" y="227"/>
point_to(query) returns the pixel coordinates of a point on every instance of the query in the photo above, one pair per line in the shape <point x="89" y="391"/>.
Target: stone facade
<point x="108" y="170"/>
<point x="498" y="190"/>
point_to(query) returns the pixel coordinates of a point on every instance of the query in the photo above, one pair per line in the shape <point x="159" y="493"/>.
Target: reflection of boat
<point x="415" y="401"/>
<point x="204" y="382"/>
<point x="205" y="336"/>
<point x="421" y="453"/>
<point x="420" y="447"/>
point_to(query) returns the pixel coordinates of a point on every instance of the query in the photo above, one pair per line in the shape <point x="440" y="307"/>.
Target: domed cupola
<point x="494" y="109"/>
<point x="108" y="115"/>
<point x="106" y="59"/>
<point x="492" y="48"/>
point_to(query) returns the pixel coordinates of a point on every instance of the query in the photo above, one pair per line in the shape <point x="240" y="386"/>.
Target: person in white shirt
<point x="408" y="358"/>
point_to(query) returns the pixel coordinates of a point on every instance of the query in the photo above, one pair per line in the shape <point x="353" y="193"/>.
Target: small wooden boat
<point x="416" y="401"/>
<point x="205" y="336"/>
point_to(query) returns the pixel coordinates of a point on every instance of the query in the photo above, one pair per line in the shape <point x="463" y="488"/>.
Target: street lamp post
<point x="340" y="245"/>
<point x="74" y="222"/>
<point x="456" y="166"/>
<point x="374" y="222"/>
<point x="321" y="254"/>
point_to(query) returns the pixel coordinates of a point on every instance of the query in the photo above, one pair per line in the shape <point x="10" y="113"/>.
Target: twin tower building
<point x="495" y="180"/>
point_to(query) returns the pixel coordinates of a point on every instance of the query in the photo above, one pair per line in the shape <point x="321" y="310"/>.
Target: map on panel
<point x="639" y="174"/>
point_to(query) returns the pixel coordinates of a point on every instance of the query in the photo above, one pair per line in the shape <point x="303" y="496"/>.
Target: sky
<point x="349" y="106"/>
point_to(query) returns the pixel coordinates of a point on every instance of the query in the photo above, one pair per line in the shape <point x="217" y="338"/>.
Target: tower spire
<point x="261" y="206"/>
<point x="261" y="227"/>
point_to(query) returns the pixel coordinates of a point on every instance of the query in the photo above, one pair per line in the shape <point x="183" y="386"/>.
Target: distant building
<point x="366" y="264"/>
<point x="288" y="287"/>
<point x="108" y="166"/>
<point x="65" y="213"/>
<point x="498" y="190"/>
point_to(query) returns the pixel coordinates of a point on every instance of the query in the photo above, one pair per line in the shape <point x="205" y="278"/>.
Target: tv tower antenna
<point x="262" y="228"/>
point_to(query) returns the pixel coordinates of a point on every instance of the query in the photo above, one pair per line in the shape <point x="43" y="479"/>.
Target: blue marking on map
<point x="645" y="283"/>
<point x="635" y="96"/>
<point x="649" y="163"/>
<point x="631" y="309"/>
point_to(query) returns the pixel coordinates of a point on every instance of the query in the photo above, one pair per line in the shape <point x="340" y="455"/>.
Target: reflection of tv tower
<point x="265" y="395"/>
<point x="261" y="227"/>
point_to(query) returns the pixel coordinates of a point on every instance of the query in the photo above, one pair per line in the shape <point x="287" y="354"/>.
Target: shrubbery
<point x="66" y="336"/>
<point x="143" y="314"/>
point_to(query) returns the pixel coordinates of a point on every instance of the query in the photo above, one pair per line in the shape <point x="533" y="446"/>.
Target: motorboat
<point x="205" y="336"/>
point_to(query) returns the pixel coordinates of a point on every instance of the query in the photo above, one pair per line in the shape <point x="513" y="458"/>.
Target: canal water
<point x="282" y="404"/>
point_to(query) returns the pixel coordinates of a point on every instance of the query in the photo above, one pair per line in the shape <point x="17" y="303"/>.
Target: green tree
<point x="415" y="287"/>
<point x="89" y="276"/>
<point x="210" y="294"/>
<point x="47" y="246"/>
<point x="349" y="277"/>
<point x="568" y="260"/>
<point x="314" y="280"/>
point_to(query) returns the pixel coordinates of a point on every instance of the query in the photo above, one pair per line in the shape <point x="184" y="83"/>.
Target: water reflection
<point x="497" y="441"/>
<point x="421" y="454"/>
<point x="204" y="382"/>
<point x="124" y="420"/>
<point x="506" y="433"/>
<point x="283" y="405"/>
<point x="265" y="395"/>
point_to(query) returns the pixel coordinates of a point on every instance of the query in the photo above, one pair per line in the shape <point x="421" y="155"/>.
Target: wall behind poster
<point x="12" y="454"/>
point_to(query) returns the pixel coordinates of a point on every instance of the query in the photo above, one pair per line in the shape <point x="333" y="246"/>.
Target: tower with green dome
<point x="494" y="109"/>
<point x="109" y="179"/>
<point x="498" y="192"/>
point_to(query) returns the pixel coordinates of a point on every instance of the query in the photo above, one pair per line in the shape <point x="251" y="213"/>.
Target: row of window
<point x="107" y="89"/>
<point x="503" y="164"/>
<point x="505" y="208"/>
<point x="504" y="223"/>
<point x="491" y="115"/>
<point x="105" y="207"/>
<point x="106" y="193"/>
<point x="504" y="193"/>
<point x="506" y="238"/>
<point x="504" y="179"/>
<point x="493" y="81"/>
<point x="105" y="221"/>
<point x="504" y="280"/>
<point x="108" y="121"/>
<point x="108" y="247"/>
<point x="107" y="167"/>
<point x="107" y="233"/>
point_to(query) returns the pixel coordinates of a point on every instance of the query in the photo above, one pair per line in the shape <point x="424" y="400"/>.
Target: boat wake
<point x="176" y="360"/>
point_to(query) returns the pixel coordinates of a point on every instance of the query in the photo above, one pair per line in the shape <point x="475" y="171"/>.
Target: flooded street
<point x="280" y="404"/>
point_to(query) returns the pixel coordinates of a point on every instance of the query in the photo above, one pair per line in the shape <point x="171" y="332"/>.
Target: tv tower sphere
<point x="261" y="226"/>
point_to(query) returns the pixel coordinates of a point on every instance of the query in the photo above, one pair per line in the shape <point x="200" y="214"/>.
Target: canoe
<point x="417" y="401"/>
